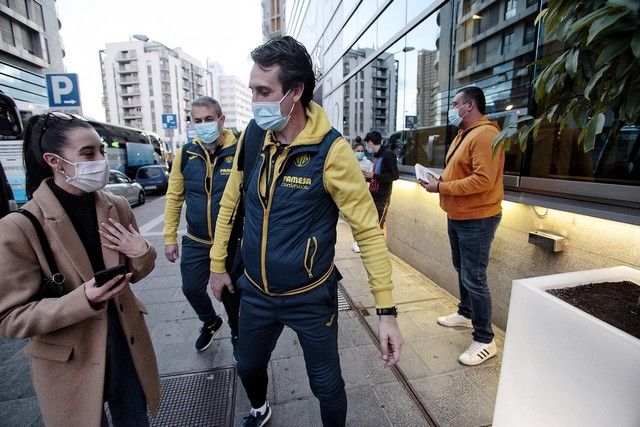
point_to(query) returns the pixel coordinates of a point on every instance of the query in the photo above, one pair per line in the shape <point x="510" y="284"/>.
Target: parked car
<point x="153" y="178"/>
<point x="121" y="185"/>
<point x="7" y="202"/>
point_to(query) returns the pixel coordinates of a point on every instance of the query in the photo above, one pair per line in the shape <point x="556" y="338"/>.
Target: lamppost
<point x="404" y="90"/>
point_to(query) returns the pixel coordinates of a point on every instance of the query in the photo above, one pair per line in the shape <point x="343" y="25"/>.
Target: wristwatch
<point x="391" y="311"/>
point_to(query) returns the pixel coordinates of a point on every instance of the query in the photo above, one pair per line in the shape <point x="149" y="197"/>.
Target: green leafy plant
<point x="595" y="77"/>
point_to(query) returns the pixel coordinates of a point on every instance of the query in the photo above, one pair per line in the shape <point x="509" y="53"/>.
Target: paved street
<point x="454" y="395"/>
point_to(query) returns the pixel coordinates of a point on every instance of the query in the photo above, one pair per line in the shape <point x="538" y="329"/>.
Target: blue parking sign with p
<point x="170" y="121"/>
<point x="63" y="90"/>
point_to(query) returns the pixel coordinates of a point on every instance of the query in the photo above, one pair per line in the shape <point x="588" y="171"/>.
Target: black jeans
<point x="122" y="389"/>
<point x="313" y="316"/>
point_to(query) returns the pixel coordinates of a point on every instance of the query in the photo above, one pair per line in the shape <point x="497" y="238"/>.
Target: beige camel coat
<point x="67" y="337"/>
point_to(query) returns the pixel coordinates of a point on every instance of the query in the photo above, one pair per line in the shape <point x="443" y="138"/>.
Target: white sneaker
<point x="478" y="352"/>
<point x="455" y="319"/>
<point x="355" y="248"/>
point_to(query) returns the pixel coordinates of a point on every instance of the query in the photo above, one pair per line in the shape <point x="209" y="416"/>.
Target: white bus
<point x="11" y="132"/>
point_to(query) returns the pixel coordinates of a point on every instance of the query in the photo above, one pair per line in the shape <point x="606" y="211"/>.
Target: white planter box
<point x="563" y="367"/>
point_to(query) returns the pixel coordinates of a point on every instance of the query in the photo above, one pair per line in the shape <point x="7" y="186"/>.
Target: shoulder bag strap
<point x="48" y="253"/>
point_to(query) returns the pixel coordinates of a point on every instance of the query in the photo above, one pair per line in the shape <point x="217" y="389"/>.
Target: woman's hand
<point x="124" y="240"/>
<point x="112" y="288"/>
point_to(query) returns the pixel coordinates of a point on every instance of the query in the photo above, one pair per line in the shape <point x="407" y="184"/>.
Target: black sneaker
<point x="206" y="334"/>
<point x="257" y="419"/>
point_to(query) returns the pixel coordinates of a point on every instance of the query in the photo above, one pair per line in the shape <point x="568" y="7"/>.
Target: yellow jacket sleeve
<point x="226" y="215"/>
<point x="174" y="201"/>
<point x="344" y="181"/>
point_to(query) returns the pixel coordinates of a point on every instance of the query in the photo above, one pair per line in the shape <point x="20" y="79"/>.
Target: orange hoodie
<point x="471" y="186"/>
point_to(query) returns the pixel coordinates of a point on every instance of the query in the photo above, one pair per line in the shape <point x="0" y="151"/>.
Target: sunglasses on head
<point x="58" y="115"/>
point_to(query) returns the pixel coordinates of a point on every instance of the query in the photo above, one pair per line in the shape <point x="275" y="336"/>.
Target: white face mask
<point x="90" y="176"/>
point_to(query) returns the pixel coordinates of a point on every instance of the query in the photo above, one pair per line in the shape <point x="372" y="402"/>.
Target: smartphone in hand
<point x="103" y="276"/>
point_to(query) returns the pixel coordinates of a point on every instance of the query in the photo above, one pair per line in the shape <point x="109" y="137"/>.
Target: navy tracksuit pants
<point x="313" y="316"/>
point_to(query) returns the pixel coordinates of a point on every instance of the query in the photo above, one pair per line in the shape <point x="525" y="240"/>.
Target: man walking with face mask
<point x="381" y="177"/>
<point x="198" y="176"/>
<point x="305" y="175"/>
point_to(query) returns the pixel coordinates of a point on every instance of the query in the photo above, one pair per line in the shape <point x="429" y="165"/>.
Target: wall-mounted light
<point x="548" y="241"/>
<point x="508" y="107"/>
<point x="476" y="17"/>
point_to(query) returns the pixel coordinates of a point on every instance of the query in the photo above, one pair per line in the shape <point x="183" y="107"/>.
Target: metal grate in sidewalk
<point x="343" y="304"/>
<point x="197" y="399"/>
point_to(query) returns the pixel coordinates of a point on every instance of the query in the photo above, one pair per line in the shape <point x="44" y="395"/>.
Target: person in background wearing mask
<point x="198" y="176"/>
<point x="365" y="166"/>
<point x="385" y="171"/>
<point x="471" y="192"/>
<point x="306" y="174"/>
<point x="88" y="344"/>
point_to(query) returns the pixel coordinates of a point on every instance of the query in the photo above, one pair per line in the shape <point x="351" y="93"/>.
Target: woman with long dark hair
<point x="88" y="344"/>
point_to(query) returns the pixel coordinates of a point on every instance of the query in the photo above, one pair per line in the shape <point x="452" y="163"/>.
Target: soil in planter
<point x="611" y="302"/>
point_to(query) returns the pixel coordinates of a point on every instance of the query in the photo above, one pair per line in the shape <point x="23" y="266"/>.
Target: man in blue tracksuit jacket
<point x="198" y="177"/>
<point x="304" y="176"/>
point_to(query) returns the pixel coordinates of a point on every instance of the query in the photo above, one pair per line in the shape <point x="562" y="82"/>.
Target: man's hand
<point x="172" y="252"/>
<point x="391" y="341"/>
<point x="218" y="281"/>
<point x="368" y="175"/>
<point x="431" y="185"/>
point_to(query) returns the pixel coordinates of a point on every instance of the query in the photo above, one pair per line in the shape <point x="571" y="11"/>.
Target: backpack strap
<point x="249" y="151"/>
<point x="56" y="276"/>
<point x="470" y="135"/>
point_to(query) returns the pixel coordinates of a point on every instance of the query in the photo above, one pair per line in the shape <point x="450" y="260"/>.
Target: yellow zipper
<point x="210" y="166"/>
<point x="265" y="217"/>
<point x="308" y="262"/>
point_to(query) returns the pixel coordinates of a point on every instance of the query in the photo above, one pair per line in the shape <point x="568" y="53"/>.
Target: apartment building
<point x="30" y="47"/>
<point x="143" y="79"/>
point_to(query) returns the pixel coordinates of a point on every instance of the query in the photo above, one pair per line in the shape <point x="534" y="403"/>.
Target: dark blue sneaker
<point x="257" y="419"/>
<point x="206" y="334"/>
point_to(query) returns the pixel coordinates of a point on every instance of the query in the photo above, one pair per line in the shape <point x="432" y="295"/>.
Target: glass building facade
<point x="395" y="66"/>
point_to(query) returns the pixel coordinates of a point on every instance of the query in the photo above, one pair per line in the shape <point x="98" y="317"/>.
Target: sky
<point x="223" y="30"/>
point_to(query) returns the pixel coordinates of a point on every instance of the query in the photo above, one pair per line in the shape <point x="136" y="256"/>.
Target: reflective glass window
<point x="615" y="158"/>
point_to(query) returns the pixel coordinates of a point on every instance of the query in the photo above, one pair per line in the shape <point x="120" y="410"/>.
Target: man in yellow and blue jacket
<point x="304" y="176"/>
<point x="198" y="177"/>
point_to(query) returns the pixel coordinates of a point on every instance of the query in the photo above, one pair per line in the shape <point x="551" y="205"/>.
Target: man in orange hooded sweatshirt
<point x="470" y="191"/>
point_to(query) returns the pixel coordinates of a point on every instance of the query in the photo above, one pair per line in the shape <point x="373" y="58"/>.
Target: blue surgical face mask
<point x="454" y="116"/>
<point x="360" y="155"/>
<point x="268" y="115"/>
<point x="208" y="132"/>
<point x="369" y="149"/>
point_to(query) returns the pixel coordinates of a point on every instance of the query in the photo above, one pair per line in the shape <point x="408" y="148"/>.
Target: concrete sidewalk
<point x="453" y="394"/>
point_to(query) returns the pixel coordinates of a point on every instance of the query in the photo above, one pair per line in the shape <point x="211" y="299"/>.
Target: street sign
<point x="410" y="122"/>
<point x="191" y="134"/>
<point x="63" y="90"/>
<point x="170" y="121"/>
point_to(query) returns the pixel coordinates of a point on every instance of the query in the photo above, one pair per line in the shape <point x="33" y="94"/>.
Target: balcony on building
<point x="126" y="56"/>
<point x="126" y="69"/>
<point x="131" y="102"/>
<point x="129" y="80"/>
<point x="134" y="123"/>
<point x="380" y="83"/>
<point x="130" y="91"/>
<point x="130" y="114"/>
